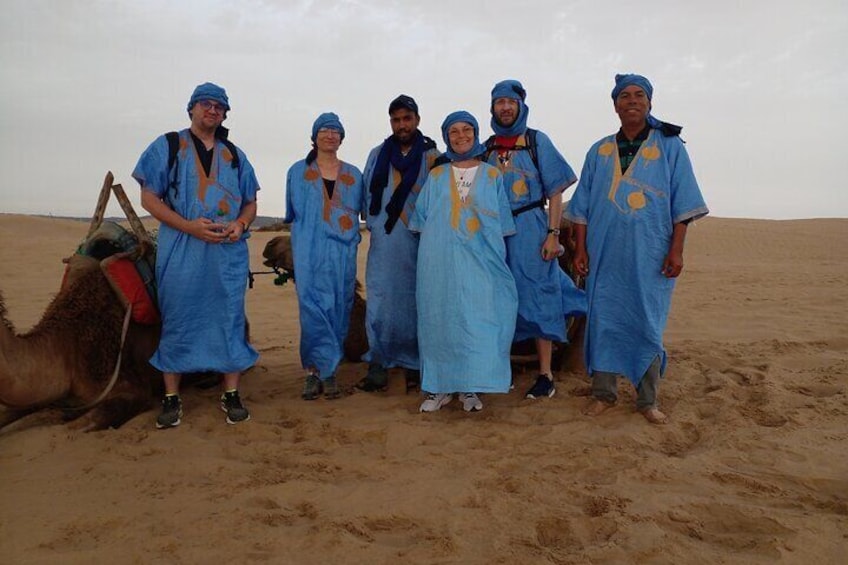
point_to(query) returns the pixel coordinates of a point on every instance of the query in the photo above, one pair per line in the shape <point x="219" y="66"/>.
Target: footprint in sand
<point x="679" y="443"/>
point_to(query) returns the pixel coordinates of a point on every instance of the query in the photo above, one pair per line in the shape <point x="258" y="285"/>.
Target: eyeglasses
<point x="209" y="105"/>
<point x="329" y="131"/>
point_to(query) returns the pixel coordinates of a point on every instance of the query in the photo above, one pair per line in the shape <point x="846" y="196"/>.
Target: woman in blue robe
<point x="636" y="195"/>
<point x="466" y="296"/>
<point x="324" y="198"/>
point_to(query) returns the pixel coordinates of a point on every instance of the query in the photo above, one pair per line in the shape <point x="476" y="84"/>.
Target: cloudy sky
<point x="759" y="86"/>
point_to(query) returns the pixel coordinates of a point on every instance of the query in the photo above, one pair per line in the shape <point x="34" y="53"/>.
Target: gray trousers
<point x="605" y="387"/>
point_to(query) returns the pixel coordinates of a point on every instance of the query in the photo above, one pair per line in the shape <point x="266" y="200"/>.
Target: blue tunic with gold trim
<point x="630" y="218"/>
<point x="325" y="236"/>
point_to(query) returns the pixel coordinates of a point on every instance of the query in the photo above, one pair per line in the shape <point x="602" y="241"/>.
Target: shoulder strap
<point x="490" y="146"/>
<point x="173" y="147"/>
<point x="440" y="160"/>
<point x="530" y="140"/>
<point x="233" y="151"/>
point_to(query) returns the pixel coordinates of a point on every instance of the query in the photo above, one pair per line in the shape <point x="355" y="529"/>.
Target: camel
<point x="67" y="359"/>
<point x="566" y="356"/>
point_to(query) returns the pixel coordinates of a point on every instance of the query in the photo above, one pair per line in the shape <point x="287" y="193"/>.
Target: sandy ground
<point x="753" y="467"/>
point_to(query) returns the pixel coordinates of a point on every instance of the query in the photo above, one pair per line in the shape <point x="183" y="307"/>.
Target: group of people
<point x="462" y="256"/>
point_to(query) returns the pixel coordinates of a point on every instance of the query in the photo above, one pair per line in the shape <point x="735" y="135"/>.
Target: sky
<point x="760" y="87"/>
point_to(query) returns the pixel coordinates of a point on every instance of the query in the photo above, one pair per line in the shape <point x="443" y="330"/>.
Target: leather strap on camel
<point x="111" y="384"/>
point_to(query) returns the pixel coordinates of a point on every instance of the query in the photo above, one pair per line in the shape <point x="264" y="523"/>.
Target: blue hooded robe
<point x="545" y="293"/>
<point x="324" y="236"/>
<point x="629" y="222"/>
<point x="201" y="286"/>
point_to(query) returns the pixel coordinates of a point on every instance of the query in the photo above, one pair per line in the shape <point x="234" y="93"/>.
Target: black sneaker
<point x="544" y="387"/>
<point x="312" y="388"/>
<point x="376" y="380"/>
<point x="172" y="411"/>
<point x="231" y="404"/>
<point x="331" y="388"/>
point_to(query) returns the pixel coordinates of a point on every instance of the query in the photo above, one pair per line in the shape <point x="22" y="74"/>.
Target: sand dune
<point x="753" y="467"/>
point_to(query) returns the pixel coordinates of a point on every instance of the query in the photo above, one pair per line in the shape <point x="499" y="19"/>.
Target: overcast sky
<point x="759" y="86"/>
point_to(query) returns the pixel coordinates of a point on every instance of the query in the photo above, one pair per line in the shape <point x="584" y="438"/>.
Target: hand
<point x="207" y="230"/>
<point x="580" y="261"/>
<point x="673" y="264"/>
<point x="550" y="249"/>
<point x="234" y="230"/>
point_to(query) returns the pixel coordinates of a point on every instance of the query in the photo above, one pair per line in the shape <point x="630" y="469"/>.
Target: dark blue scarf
<point x="408" y="166"/>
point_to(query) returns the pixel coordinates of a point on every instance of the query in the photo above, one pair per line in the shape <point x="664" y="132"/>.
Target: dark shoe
<point x="312" y="388"/>
<point x="172" y="411"/>
<point x="331" y="388"/>
<point x="231" y="404"/>
<point x="544" y="387"/>
<point x="413" y="380"/>
<point x="376" y="380"/>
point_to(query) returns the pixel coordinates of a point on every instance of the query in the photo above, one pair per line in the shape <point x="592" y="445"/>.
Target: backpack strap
<point x="173" y="138"/>
<point x="173" y="147"/>
<point x="529" y="146"/>
<point x="440" y="160"/>
<point x="233" y="151"/>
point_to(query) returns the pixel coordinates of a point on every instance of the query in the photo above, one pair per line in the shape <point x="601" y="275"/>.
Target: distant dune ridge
<point x="753" y="467"/>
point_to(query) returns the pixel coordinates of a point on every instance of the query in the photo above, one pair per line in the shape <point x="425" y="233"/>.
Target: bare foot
<point x="654" y="416"/>
<point x="596" y="408"/>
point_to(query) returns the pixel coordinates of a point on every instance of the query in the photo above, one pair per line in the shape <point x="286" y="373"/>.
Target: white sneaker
<point x="471" y="402"/>
<point x="435" y="401"/>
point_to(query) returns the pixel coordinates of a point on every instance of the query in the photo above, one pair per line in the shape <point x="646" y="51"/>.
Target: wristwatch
<point x="554" y="231"/>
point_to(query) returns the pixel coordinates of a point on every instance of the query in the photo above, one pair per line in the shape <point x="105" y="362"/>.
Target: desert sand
<point x="752" y="468"/>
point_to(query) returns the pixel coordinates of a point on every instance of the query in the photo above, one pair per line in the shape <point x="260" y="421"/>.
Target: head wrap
<point x="478" y="148"/>
<point x="405" y="102"/>
<point x="208" y="91"/>
<point x="327" y="120"/>
<point x="625" y="80"/>
<point x="510" y="88"/>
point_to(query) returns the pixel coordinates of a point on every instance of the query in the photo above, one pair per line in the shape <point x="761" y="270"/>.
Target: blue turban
<point x="510" y="88"/>
<point x="327" y="120"/>
<point x="623" y="81"/>
<point x="208" y="91"/>
<point x="478" y="148"/>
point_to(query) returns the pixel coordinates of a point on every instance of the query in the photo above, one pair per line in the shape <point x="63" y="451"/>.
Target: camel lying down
<point x="67" y="359"/>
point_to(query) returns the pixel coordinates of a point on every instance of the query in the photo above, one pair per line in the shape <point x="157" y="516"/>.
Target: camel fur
<point x="67" y="359"/>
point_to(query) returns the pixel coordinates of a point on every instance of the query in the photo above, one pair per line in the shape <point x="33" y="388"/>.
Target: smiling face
<point x="207" y="114"/>
<point x="328" y="140"/>
<point x="632" y="106"/>
<point x="461" y="137"/>
<point x="505" y="111"/>
<point x="404" y="124"/>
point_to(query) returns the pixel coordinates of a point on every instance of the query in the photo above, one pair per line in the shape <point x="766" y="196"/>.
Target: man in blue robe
<point x="534" y="172"/>
<point x="205" y="201"/>
<point x="636" y="196"/>
<point x="394" y="174"/>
